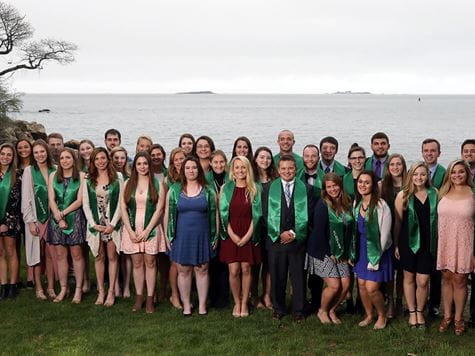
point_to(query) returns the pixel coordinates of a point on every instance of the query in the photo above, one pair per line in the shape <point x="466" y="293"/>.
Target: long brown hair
<point x="59" y="172"/>
<point x="94" y="172"/>
<point x="387" y="184"/>
<point x="271" y="171"/>
<point x="374" y="192"/>
<point x="49" y="158"/>
<point x="13" y="166"/>
<point x="81" y="161"/>
<point x="201" y="175"/>
<point x="30" y="157"/>
<point x="173" y="176"/>
<point x="447" y="184"/>
<point x="133" y="180"/>
<point x="343" y="202"/>
<point x="126" y="169"/>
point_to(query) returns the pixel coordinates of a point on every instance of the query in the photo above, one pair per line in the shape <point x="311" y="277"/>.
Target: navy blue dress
<point x="191" y="245"/>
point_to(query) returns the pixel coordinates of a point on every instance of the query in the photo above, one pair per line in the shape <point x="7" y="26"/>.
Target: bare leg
<point x="265" y="275"/>
<point x="447" y="293"/>
<point x="184" y="286"/>
<point x="235" y="284"/>
<point x="173" y="277"/>
<point x="340" y="297"/>
<point x="422" y="281"/>
<point x="139" y="278"/>
<point x="150" y="278"/>
<point x="366" y="301"/>
<point x="86" y="285"/>
<point x="51" y="265"/>
<point x="409" y="285"/>
<point x="78" y="264"/>
<point x="3" y="262"/>
<point x="127" y="274"/>
<point x="460" y="294"/>
<point x="11" y="249"/>
<point x="246" y="280"/>
<point x="62" y="261"/>
<point x="113" y="259"/>
<point x="202" y="285"/>
<point x="99" y="264"/>
<point x="377" y="298"/>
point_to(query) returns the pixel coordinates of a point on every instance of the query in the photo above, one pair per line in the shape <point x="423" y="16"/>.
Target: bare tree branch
<point x="14" y="29"/>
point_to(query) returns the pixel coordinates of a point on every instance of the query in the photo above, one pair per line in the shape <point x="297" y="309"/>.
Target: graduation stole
<point x="64" y="198"/>
<point x="300" y="210"/>
<point x="317" y="184"/>
<point x="114" y="190"/>
<point x="150" y="208"/>
<point x="225" y="201"/>
<point x="372" y="232"/>
<point x="438" y="176"/>
<point x="5" y="192"/>
<point x="341" y="232"/>
<point x="338" y="169"/>
<point x="349" y="184"/>
<point x="414" y="232"/>
<point x="174" y="194"/>
<point x="368" y="166"/>
<point x="40" y="189"/>
<point x="212" y="183"/>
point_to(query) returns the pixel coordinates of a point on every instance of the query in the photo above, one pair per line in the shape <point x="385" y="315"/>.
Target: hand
<point x="33" y="229"/>
<point x="396" y="253"/>
<point x="286" y="237"/>
<point x="351" y="263"/>
<point x="108" y="229"/>
<point x="3" y="228"/>
<point x="236" y="239"/>
<point x="215" y="244"/>
<point x="333" y="258"/>
<point x="168" y="243"/>
<point x="57" y="216"/>
<point x="133" y="237"/>
<point x="143" y="235"/>
<point x="243" y="241"/>
<point x="62" y="225"/>
<point x="99" y="228"/>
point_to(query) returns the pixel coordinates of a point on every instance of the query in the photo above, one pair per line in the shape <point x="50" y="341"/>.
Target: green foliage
<point x="9" y="102"/>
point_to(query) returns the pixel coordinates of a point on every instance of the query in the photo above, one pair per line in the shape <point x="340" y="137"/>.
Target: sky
<point x="255" y="46"/>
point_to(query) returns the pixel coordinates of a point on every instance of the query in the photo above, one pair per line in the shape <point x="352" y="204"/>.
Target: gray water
<point x="350" y="118"/>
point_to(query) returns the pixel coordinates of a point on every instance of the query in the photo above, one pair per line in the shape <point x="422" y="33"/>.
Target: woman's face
<point x="420" y="177"/>
<point x="263" y="160"/>
<point x="396" y="167"/>
<point x="203" y="149"/>
<point x="364" y="184"/>
<point x="218" y="164"/>
<point x="242" y="149"/>
<point x="157" y="157"/>
<point x="141" y="165"/>
<point x="85" y="150"/>
<point x="40" y="154"/>
<point x="187" y="144"/>
<point x="458" y="175"/>
<point x="239" y="170"/>
<point x="23" y="149"/>
<point x="143" y="145"/>
<point x="178" y="161"/>
<point x="66" y="160"/>
<point x="332" y="189"/>
<point x="191" y="171"/>
<point x="6" y="156"/>
<point x="101" y="161"/>
<point x="119" y="159"/>
<point x="357" y="160"/>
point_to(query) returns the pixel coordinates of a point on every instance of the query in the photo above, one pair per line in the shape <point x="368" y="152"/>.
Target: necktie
<point x="377" y="171"/>
<point x="288" y="194"/>
<point x="327" y="170"/>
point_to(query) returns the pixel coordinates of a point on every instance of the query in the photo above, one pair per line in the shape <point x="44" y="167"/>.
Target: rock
<point x="12" y="130"/>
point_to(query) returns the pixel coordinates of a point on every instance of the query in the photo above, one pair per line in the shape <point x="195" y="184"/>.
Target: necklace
<point x="363" y="208"/>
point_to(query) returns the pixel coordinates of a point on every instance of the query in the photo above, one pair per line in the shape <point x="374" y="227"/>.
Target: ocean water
<point x="350" y="118"/>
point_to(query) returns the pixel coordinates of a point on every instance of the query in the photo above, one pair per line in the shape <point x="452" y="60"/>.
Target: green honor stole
<point x="5" y="192"/>
<point x="114" y="192"/>
<point x="150" y="208"/>
<point x="317" y="184"/>
<point x="338" y="169"/>
<point x="349" y="184"/>
<point x="413" y="226"/>
<point x="341" y="232"/>
<point x="225" y="201"/>
<point x="40" y="189"/>
<point x="438" y="176"/>
<point x="64" y="198"/>
<point x="300" y="209"/>
<point x="372" y="233"/>
<point x="174" y="194"/>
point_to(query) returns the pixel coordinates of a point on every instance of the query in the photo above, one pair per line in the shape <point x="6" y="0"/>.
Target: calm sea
<point x="350" y="118"/>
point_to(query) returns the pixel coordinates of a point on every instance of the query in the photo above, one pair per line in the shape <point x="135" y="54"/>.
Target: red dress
<point x="240" y="217"/>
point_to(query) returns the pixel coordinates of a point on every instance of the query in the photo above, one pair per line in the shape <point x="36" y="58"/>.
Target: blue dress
<point x="191" y="245"/>
<point x="385" y="271"/>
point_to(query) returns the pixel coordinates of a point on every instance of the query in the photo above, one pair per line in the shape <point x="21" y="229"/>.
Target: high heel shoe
<point x="149" y="308"/>
<point x="138" y="303"/>
<point x="412" y="326"/>
<point x="62" y="294"/>
<point x="444" y="324"/>
<point x="459" y="327"/>
<point x="110" y="299"/>
<point x="421" y="325"/>
<point x="100" y="298"/>
<point x="40" y="294"/>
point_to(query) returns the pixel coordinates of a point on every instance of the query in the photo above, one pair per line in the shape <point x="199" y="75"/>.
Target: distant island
<point x="349" y="92"/>
<point x="197" y="92"/>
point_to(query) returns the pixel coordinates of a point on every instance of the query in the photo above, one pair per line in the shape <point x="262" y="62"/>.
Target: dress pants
<point x="285" y="258"/>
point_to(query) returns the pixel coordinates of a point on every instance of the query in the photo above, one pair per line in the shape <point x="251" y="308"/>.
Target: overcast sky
<point x="255" y="46"/>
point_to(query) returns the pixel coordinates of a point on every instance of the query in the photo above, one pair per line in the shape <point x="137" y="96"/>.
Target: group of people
<point x="243" y="226"/>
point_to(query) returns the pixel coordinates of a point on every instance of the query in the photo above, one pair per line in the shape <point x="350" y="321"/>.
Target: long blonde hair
<point x="447" y="183"/>
<point x="251" y="188"/>
<point x="408" y="188"/>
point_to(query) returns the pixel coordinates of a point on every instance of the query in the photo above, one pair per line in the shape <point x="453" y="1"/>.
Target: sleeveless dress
<point x="150" y="247"/>
<point x="240" y="217"/>
<point x="422" y="261"/>
<point x="455" y="245"/>
<point x="191" y="245"/>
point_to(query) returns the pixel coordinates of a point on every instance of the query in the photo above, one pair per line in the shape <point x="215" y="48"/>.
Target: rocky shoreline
<point x="12" y="130"/>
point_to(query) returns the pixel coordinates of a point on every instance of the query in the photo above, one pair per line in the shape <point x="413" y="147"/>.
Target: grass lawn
<point x="29" y="326"/>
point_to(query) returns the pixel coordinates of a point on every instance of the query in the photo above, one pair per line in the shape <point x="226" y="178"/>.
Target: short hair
<point x="311" y="145"/>
<point x="329" y="139"/>
<point x="113" y="132"/>
<point x="288" y="158"/>
<point x="144" y="137"/>
<point x="431" y="140"/>
<point x="160" y="147"/>
<point x="469" y="141"/>
<point x="379" y="135"/>
<point x="55" y="135"/>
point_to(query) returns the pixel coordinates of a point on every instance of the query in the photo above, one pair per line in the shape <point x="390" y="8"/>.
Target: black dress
<point x="13" y="218"/>
<point x="422" y="261"/>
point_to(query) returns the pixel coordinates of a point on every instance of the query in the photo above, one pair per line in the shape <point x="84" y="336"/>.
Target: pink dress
<point x="129" y="247"/>
<point x="455" y="246"/>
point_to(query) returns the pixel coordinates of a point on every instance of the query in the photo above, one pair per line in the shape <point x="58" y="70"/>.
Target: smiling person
<point x="101" y="207"/>
<point x="455" y="252"/>
<point x="415" y="235"/>
<point x="56" y="144"/>
<point x="187" y="143"/>
<point x="328" y="246"/>
<point x="158" y="156"/>
<point x="85" y="150"/>
<point x="286" y="142"/>
<point x="144" y="143"/>
<point x="240" y="211"/>
<point x="380" y="147"/>
<point x="372" y="251"/>
<point x="67" y="229"/>
<point x="327" y="164"/>
<point x="356" y="160"/>
<point x="112" y="138"/>
<point x="218" y="164"/>
<point x="34" y="207"/>
<point x="10" y="219"/>
<point x="203" y="148"/>
<point x="141" y="206"/>
<point x="120" y="161"/>
<point x="192" y="225"/>
<point x="431" y="154"/>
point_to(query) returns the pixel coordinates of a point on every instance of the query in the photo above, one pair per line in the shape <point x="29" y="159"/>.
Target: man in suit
<point x="287" y="208"/>
<point x="329" y="149"/>
<point x="380" y="147"/>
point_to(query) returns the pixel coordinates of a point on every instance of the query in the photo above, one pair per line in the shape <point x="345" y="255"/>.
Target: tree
<point x="23" y="53"/>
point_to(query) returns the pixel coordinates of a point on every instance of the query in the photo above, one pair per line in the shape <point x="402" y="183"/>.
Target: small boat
<point x="44" y="110"/>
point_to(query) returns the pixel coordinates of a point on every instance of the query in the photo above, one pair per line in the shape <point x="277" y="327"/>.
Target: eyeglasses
<point x="359" y="158"/>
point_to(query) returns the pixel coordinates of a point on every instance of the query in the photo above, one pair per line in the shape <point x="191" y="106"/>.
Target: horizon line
<point x="339" y="93"/>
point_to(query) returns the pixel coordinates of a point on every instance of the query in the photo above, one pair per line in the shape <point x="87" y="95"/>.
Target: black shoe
<point x="19" y="285"/>
<point x="434" y="312"/>
<point x="3" y="291"/>
<point x="12" y="291"/>
<point x="30" y="285"/>
<point x="277" y="316"/>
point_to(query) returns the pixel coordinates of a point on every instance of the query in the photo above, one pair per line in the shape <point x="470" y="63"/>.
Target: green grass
<point x="29" y="326"/>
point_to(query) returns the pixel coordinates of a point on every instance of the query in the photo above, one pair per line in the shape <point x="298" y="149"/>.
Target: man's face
<point x="55" y="145"/>
<point x="112" y="141"/>
<point x="310" y="158"/>
<point x="430" y="153"/>
<point x="286" y="141"/>
<point x="287" y="170"/>
<point x="328" y="151"/>
<point x="380" y="147"/>
<point x="468" y="153"/>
